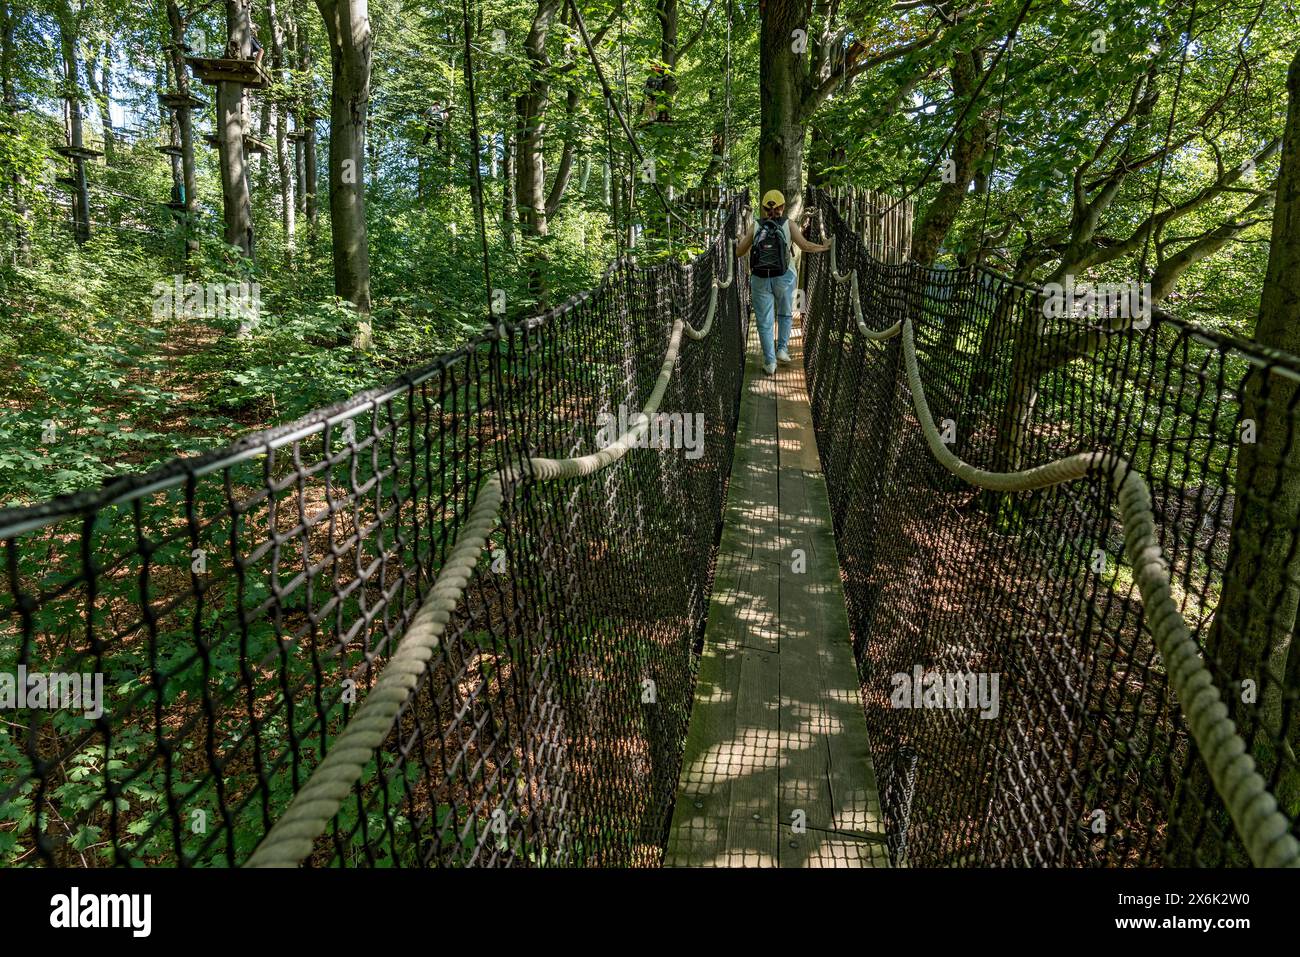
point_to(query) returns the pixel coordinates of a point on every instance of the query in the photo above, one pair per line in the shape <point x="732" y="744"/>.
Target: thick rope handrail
<point x="728" y="249"/>
<point x="293" y="835"/>
<point x="855" y="299"/>
<point x="1264" y="829"/>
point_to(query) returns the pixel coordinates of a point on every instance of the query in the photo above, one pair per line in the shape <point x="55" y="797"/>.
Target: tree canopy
<point x="1136" y="140"/>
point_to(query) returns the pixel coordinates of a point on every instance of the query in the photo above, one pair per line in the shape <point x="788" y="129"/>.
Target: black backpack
<point x="770" y="256"/>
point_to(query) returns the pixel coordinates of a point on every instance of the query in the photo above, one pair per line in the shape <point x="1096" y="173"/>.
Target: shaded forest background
<point x="1132" y="140"/>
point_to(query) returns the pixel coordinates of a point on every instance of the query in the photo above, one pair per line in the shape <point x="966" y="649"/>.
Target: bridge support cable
<point x="294" y="834"/>
<point x="1262" y="826"/>
<point x="581" y="24"/>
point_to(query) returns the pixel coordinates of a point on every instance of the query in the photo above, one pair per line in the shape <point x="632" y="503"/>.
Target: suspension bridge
<point x="444" y="624"/>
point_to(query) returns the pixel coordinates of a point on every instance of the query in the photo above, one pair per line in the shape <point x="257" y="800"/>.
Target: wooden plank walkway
<point x="777" y="735"/>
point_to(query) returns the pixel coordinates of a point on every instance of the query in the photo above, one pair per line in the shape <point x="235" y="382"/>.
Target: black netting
<point x="237" y="606"/>
<point x="1088" y="759"/>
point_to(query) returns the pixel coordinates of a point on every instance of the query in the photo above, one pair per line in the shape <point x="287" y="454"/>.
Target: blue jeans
<point x="772" y="298"/>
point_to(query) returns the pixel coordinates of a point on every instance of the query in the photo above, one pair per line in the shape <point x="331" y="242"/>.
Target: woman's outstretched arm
<point x="746" y="240"/>
<point x="798" y="238"/>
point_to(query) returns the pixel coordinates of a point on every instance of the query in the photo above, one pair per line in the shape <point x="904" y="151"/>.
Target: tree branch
<point x="704" y="22"/>
<point x="848" y="69"/>
<point x="1164" y="217"/>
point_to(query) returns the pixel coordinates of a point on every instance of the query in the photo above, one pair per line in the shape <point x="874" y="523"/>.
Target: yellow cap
<point x="773" y="197"/>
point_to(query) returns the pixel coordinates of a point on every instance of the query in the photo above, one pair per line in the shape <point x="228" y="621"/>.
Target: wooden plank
<point x="730" y="763"/>
<point x="821" y="539"/>
<point x="750" y="843"/>
<point x="177" y="101"/>
<point x="827" y="773"/>
<point x="226" y="70"/>
<point x="777" y="723"/>
<point x="726" y="794"/>
<point x="855" y="803"/>
<point x="700" y="815"/>
<point x="798" y="440"/>
<point x="751" y="495"/>
<point x="761" y="456"/>
<point x="77" y="152"/>
<point x="744" y="608"/>
<point x="755" y="759"/>
<point x="806" y="722"/>
<point x="823" y="849"/>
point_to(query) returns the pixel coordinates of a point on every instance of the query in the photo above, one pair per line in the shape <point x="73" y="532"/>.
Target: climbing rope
<point x="966" y="108"/>
<point x="1263" y="828"/>
<point x="627" y="130"/>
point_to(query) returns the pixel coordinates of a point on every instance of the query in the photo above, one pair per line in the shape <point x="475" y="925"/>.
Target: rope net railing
<point x="239" y="609"/>
<point x="1024" y="707"/>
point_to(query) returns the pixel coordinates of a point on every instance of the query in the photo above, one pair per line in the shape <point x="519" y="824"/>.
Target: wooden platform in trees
<point x="251" y="143"/>
<point x="176" y="101"/>
<point x="223" y="70"/>
<point x="78" y="152"/>
<point x="703" y="197"/>
<point x="777" y="735"/>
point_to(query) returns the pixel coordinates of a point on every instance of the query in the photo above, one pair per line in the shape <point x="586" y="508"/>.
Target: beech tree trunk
<point x="781" y="127"/>
<point x="661" y="85"/>
<point x="68" y="29"/>
<point x="288" y="202"/>
<point x="530" y="131"/>
<point x="969" y="147"/>
<point x="299" y="172"/>
<point x="530" y="111"/>
<point x="347" y="23"/>
<point x="184" y="119"/>
<point x="101" y="90"/>
<point x="1253" y="628"/>
<point x="508" y="189"/>
<point x="22" y="250"/>
<point x="306" y="124"/>
<point x="231" y="127"/>
<point x="822" y="156"/>
<point x="713" y="172"/>
<point x="1261" y="591"/>
<point x="261" y="161"/>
